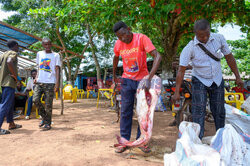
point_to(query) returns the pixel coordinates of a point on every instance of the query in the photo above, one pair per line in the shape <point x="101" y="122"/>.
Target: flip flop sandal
<point x="3" y="132"/>
<point x="120" y="149"/>
<point x="17" y="126"/>
<point x="145" y="149"/>
<point x="41" y="123"/>
<point x="46" y="127"/>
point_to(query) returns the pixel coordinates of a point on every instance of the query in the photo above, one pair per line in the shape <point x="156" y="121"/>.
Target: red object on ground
<point x="241" y="90"/>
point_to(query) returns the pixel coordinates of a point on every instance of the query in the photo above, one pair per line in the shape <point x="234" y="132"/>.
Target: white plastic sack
<point x="238" y="119"/>
<point x="231" y="146"/>
<point x="246" y="105"/>
<point x="190" y="150"/>
<point x="160" y="105"/>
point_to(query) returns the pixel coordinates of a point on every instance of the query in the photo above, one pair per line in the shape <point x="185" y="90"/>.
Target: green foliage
<point x="165" y="22"/>
<point x="168" y="23"/>
<point x="241" y="52"/>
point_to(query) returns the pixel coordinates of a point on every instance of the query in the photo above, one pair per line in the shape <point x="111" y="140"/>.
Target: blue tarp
<point x="7" y="33"/>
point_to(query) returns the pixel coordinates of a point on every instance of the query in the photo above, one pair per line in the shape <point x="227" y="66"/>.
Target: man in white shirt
<point x="46" y="82"/>
<point x="30" y="87"/>
<point x="207" y="74"/>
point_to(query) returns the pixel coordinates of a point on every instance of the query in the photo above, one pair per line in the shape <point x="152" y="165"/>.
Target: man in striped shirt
<point x="206" y="73"/>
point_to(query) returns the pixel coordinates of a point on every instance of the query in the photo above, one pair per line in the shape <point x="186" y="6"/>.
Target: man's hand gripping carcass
<point x="146" y="102"/>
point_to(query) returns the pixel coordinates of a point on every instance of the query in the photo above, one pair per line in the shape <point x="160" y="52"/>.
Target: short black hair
<point x="201" y="24"/>
<point x="46" y="39"/>
<point x="34" y="70"/>
<point x="11" y="43"/>
<point x="119" y="25"/>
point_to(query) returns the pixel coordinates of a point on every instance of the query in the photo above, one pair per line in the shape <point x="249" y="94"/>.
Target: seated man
<point x="30" y="87"/>
<point x="20" y="97"/>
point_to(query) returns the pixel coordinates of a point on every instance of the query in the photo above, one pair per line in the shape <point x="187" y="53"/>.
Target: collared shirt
<point x="5" y="79"/>
<point x="206" y="69"/>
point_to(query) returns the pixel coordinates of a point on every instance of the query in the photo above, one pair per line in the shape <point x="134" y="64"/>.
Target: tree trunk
<point x="78" y="66"/>
<point x="98" y="69"/>
<point x="64" y="47"/>
<point x="167" y="60"/>
<point x="170" y="41"/>
<point x="105" y="75"/>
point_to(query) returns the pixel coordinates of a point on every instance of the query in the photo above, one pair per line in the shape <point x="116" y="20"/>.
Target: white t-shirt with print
<point x="47" y="63"/>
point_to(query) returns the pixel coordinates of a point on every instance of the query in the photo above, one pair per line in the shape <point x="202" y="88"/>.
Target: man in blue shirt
<point x="206" y="74"/>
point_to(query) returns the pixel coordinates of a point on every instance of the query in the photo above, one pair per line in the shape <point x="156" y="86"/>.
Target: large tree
<point x="46" y="19"/>
<point x="166" y="22"/>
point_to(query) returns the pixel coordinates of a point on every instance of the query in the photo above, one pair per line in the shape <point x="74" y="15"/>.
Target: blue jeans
<point x="29" y="106"/>
<point x="7" y="104"/>
<point x="128" y="92"/>
<point x="199" y="100"/>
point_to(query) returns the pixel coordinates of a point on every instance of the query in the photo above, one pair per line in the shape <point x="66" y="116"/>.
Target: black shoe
<point x="46" y="127"/>
<point x="41" y="123"/>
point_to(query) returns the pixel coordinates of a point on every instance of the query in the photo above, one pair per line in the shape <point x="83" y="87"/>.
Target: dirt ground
<point x="84" y="135"/>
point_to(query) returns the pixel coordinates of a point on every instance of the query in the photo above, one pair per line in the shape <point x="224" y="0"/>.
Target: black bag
<point x="208" y="52"/>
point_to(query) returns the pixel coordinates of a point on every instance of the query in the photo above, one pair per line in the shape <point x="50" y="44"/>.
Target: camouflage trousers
<point x="48" y="91"/>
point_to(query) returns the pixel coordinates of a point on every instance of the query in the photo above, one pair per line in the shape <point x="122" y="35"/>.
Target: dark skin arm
<point x="232" y="64"/>
<point x="115" y="64"/>
<point x="35" y="80"/>
<point x="20" y="94"/>
<point x="179" y="79"/>
<point x="11" y="68"/>
<point x="156" y="64"/>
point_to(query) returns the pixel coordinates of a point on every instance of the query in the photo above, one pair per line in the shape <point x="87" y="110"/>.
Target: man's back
<point x="5" y="79"/>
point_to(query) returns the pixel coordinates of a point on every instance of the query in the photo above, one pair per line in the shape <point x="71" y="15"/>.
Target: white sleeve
<point x="58" y="60"/>
<point x="186" y="53"/>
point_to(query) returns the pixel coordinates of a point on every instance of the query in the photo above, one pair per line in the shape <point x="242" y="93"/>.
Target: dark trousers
<point x="7" y="104"/>
<point x="199" y="100"/>
<point x="128" y="92"/>
<point x="48" y="91"/>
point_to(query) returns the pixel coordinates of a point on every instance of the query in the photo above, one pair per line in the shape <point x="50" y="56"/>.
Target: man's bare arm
<point x="156" y="64"/>
<point x="232" y="64"/>
<point x="115" y="64"/>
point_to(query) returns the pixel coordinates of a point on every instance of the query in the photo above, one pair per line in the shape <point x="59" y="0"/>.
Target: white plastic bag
<point x="238" y="119"/>
<point x="246" y="105"/>
<point x="190" y="150"/>
<point x="231" y="146"/>
<point x="160" y="105"/>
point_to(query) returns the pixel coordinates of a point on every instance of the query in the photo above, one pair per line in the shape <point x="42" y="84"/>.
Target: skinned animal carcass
<point x="146" y="103"/>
